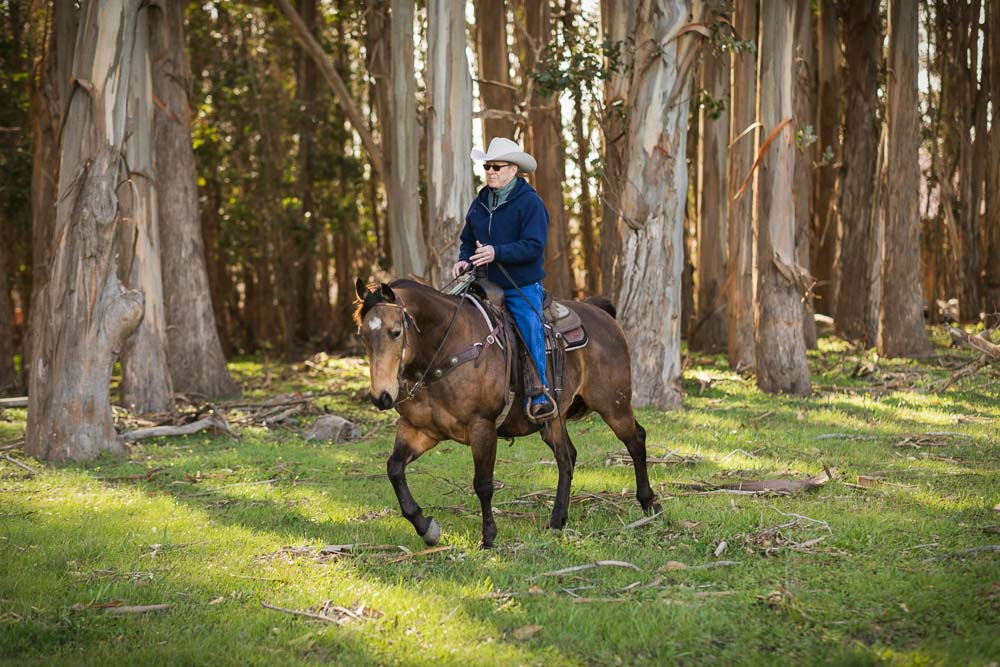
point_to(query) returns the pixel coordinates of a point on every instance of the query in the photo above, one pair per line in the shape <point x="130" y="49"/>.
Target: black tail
<point x="602" y="303"/>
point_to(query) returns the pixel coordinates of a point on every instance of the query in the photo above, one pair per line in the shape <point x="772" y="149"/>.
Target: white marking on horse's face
<point x="375" y="323"/>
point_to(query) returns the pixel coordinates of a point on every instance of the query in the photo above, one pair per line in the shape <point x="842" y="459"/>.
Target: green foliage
<point x="713" y="106"/>
<point x="578" y="59"/>
<point x="805" y="137"/>
<point x="843" y="576"/>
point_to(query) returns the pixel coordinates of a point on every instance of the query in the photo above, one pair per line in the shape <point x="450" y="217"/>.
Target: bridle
<point x="421" y="377"/>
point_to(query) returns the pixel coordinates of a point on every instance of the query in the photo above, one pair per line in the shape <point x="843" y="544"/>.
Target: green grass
<point x="203" y="537"/>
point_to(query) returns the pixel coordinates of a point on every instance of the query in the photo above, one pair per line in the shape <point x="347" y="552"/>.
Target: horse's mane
<point x="374" y="296"/>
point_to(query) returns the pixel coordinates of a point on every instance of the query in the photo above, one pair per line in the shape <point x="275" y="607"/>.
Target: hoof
<point x="433" y="533"/>
<point x="654" y="508"/>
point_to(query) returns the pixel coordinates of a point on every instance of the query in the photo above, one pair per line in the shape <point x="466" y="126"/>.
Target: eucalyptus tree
<point x="780" y="347"/>
<point x="901" y="330"/>
<point x="85" y="313"/>
<point x="653" y="196"/>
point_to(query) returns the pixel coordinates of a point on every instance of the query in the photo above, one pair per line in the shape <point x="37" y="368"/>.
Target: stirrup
<point x="542" y="417"/>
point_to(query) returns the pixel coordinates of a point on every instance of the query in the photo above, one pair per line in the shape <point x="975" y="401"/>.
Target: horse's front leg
<point x="410" y="444"/>
<point x="483" y="441"/>
<point x="557" y="439"/>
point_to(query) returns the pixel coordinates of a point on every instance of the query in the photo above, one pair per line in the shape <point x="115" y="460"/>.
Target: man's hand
<point x="461" y="266"/>
<point x="484" y="254"/>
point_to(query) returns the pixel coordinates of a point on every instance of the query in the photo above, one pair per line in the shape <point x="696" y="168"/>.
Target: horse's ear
<point x="360" y="288"/>
<point x="387" y="294"/>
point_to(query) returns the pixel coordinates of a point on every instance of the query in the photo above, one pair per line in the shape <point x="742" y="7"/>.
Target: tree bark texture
<point x="708" y="333"/>
<point x="49" y="92"/>
<point x="743" y="149"/>
<point x="449" y="135"/>
<point x="581" y="137"/>
<point x="857" y="176"/>
<point x="804" y="72"/>
<point x="992" y="222"/>
<point x="409" y="249"/>
<point x="495" y="90"/>
<point x="962" y="110"/>
<point x="618" y="19"/>
<point x="652" y="205"/>
<point x="780" y="348"/>
<point x="378" y="43"/>
<point x="545" y="144"/>
<point x="826" y="222"/>
<point x="86" y="312"/>
<point x="901" y="331"/>
<point x="7" y="378"/>
<point x="194" y="350"/>
<point x="146" y="386"/>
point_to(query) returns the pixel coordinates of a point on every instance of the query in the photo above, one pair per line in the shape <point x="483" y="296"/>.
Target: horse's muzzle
<point x="383" y="402"/>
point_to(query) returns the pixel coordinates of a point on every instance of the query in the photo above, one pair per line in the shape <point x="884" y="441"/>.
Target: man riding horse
<point x="505" y="231"/>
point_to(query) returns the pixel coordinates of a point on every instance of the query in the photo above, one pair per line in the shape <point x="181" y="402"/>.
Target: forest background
<point x="723" y="171"/>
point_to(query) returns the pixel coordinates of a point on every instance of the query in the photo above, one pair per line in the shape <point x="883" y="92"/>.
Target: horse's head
<point x="382" y="324"/>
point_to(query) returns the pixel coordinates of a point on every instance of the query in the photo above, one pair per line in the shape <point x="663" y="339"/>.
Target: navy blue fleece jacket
<point x="517" y="229"/>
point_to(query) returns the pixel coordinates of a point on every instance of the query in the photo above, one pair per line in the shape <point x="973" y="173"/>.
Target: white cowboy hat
<point x="505" y="150"/>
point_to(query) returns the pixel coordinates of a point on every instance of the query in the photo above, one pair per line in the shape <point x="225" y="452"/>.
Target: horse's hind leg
<point x="557" y="439"/>
<point x="483" y="441"/>
<point x="628" y="430"/>
<point x="410" y="444"/>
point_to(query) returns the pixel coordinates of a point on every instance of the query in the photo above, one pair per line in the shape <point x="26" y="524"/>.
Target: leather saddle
<point x="561" y="320"/>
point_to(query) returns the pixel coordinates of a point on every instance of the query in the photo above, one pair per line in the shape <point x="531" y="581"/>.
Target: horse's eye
<point x="395" y="333"/>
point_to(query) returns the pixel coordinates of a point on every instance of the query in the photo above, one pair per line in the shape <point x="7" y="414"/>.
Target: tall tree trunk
<point x="545" y="144"/>
<point x="146" y="386"/>
<point x="495" y="89"/>
<point x="303" y="247"/>
<point x="618" y="19"/>
<point x="857" y="177"/>
<point x="194" y="352"/>
<point x="825" y="223"/>
<point x="992" y="222"/>
<point x="49" y="91"/>
<point x="85" y="311"/>
<point x="378" y="43"/>
<point x="652" y="205"/>
<point x="449" y="134"/>
<point x="780" y="348"/>
<point x="7" y="378"/>
<point x="708" y="333"/>
<point x="961" y="107"/>
<point x="901" y="331"/>
<point x="409" y="249"/>
<point x="804" y="60"/>
<point x="739" y="339"/>
<point x="588" y="237"/>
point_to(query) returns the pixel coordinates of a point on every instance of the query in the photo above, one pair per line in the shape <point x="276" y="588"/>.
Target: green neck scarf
<point x="499" y="195"/>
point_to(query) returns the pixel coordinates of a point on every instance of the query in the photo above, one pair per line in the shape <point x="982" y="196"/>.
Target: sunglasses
<point x="495" y="167"/>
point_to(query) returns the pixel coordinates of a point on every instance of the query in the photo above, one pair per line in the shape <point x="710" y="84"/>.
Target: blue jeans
<point x="527" y="314"/>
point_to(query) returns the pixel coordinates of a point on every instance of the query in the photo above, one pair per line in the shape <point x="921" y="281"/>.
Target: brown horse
<point x="411" y="331"/>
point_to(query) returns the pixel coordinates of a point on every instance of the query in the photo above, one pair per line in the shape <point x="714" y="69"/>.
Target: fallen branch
<point x="296" y="612"/>
<point x="13" y="445"/>
<point x="978" y="343"/>
<point x="590" y="566"/>
<point x="139" y="609"/>
<point x="16" y="402"/>
<point x="965" y="371"/>
<point x="148" y="475"/>
<point x="966" y="552"/>
<point x="751" y="487"/>
<point x="31" y="470"/>
<point x="212" y="421"/>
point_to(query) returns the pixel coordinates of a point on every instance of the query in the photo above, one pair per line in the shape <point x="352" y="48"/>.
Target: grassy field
<point x="865" y="569"/>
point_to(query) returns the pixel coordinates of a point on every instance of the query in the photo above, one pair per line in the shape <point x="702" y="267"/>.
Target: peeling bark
<point x="739" y="340"/>
<point x="901" y="331"/>
<point x="652" y="205"/>
<point x="780" y="348"/>
<point x="86" y="312"/>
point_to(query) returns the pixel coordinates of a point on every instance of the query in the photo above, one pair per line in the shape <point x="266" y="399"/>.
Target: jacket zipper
<point x="489" y="228"/>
